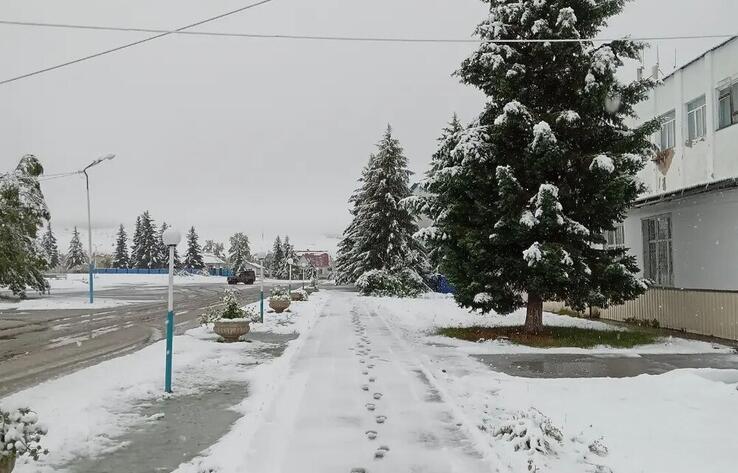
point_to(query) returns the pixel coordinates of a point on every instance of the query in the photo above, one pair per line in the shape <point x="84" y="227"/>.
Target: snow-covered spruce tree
<point x="239" y="252"/>
<point x="76" y="257"/>
<point x="346" y="269"/>
<point x="381" y="249"/>
<point x="193" y="257"/>
<point x="120" y="257"/>
<point x="277" y="260"/>
<point x="135" y="243"/>
<point x="22" y="212"/>
<point x="145" y="253"/>
<point x="523" y="198"/>
<point x="50" y="248"/>
<point x="289" y="252"/>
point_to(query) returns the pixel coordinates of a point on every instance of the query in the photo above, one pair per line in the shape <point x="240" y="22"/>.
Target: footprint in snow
<point x="381" y="419"/>
<point x="377" y="396"/>
<point x="381" y="452"/>
<point x="371" y="434"/>
<point x="371" y="365"/>
<point x="364" y="372"/>
<point x="372" y="379"/>
<point x="370" y="406"/>
<point x="363" y="361"/>
<point x="365" y="387"/>
<point x="358" y="470"/>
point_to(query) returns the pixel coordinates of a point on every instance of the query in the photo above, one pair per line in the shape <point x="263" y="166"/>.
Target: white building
<point x="684" y="229"/>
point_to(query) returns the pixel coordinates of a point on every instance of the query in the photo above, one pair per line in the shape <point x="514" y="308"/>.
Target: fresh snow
<point x="542" y="133"/>
<point x="533" y="254"/>
<point x="604" y="163"/>
<point x="63" y="303"/>
<point x="86" y="411"/>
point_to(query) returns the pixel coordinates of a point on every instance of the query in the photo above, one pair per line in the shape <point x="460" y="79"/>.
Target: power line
<point x="359" y="38"/>
<point x="135" y="43"/>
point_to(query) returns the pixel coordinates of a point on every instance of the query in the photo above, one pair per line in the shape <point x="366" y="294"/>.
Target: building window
<point x="728" y="105"/>
<point x="615" y="238"/>
<point x="668" y="131"/>
<point x="696" y="119"/>
<point x="657" y="250"/>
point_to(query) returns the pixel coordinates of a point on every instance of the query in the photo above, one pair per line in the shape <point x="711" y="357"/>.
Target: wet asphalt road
<point x="42" y="344"/>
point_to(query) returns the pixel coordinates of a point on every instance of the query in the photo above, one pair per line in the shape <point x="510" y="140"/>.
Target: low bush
<point x="380" y="282"/>
<point x="20" y="434"/>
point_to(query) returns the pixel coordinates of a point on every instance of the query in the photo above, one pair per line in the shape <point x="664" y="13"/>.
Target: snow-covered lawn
<point x="423" y="316"/>
<point x="675" y="422"/>
<point x="86" y="411"/>
<point x="79" y="281"/>
<point x="63" y="303"/>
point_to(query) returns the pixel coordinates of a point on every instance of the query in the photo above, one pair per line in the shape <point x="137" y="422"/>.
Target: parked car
<point x="247" y="277"/>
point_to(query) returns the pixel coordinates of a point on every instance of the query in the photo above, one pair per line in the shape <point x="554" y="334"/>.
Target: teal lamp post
<point x="171" y="237"/>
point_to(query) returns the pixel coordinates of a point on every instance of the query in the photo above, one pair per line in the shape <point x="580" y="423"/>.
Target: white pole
<point x="170" y="307"/>
<point x="91" y="261"/>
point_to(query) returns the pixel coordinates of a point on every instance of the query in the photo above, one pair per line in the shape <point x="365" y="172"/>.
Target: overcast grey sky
<point x="253" y="135"/>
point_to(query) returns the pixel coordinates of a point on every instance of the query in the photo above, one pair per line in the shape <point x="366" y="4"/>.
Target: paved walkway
<point x="357" y="401"/>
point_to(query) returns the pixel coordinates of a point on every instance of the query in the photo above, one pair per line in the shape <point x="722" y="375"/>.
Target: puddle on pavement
<point x="190" y="424"/>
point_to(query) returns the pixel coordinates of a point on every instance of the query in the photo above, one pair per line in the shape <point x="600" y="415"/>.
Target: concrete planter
<point x="230" y="330"/>
<point x="279" y="305"/>
<point x="7" y="464"/>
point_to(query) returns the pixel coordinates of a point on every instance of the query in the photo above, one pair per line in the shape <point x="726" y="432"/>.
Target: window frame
<point x="697" y="113"/>
<point x="612" y="237"/>
<point x="658" y="265"/>
<point x="728" y="92"/>
<point x="668" y="123"/>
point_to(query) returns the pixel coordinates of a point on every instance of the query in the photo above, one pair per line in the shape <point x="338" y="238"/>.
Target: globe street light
<point x="171" y="237"/>
<point x="91" y="262"/>
<point x="290" y="262"/>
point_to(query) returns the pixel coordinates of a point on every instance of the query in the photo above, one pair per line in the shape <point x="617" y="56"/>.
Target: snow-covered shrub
<point x="20" y="434"/>
<point x="380" y="282"/>
<point x="229" y="310"/>
<point x="530" y="430"/>
<point x="279" y="293"/>
<point x="299" y="295"/>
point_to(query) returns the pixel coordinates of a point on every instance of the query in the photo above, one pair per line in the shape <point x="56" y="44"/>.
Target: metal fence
<point x="211" y="271"/>
<point x="704" y="312"/>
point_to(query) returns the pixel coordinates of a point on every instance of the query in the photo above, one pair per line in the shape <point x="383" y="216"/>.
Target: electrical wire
<point x="135" y="43"/>
<point x="49" y="177"/>
<point x="359" y="38"/>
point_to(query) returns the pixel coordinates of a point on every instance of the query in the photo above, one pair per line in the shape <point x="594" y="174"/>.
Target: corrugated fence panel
<point x="713" y="313"/>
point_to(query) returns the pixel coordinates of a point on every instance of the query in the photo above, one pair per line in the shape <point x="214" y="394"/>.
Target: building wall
<point x="715" y="157"/>
<point x="704" y="239"/>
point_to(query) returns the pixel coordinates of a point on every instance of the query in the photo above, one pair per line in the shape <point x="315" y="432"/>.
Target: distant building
<point x="214" y="264"/>
<point x="320" y="261"/>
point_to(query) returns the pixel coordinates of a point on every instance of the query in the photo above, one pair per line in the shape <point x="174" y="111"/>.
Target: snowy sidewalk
<point x="355" y="400"/>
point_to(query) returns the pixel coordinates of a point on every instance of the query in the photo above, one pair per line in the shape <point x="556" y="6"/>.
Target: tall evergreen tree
<point x="135" y="243"/>
<point x="22" y="212"/>
<point x="193" y="257"/>
<point x="239" y="252"/>
<point x="50" y="247"/>
<point x="380" y="238"/>
<point x="277" y="263"/>
<point x="347" y="270"/>
<point x="145" y="252"/>
<point x="121" y="259"/>
<point x="289" y="252"/>
<point x="76" y="256"/>
<point x="162" y="251"/>
<point x="522" y="196"/>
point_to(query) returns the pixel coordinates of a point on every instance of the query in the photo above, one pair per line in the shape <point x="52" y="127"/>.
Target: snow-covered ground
<point x="79" y="282"/>
<point x="86" y="411"/>
<point x="62" y="303"/>
<point x="675" y="422"/>
<point x="365" y="386"/>
<point x="423" y="316"/>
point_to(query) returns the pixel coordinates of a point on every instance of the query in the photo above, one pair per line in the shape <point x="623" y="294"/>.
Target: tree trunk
<point x="534" y="314"/>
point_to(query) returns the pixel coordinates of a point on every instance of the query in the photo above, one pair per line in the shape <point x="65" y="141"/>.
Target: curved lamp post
<point x="91" y="262"/>
<point x="171" y="237"/>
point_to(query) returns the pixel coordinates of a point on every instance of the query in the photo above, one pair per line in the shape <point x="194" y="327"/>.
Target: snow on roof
<point x="209" y="258"/>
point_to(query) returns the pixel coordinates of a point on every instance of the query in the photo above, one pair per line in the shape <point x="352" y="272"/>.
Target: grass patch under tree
<point x="553" y="337"/>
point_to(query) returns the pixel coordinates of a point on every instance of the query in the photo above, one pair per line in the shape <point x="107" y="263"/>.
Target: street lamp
<point x="171" y="237"/>
<point x="91" y="263"/>
<point x="261" y="305"/>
